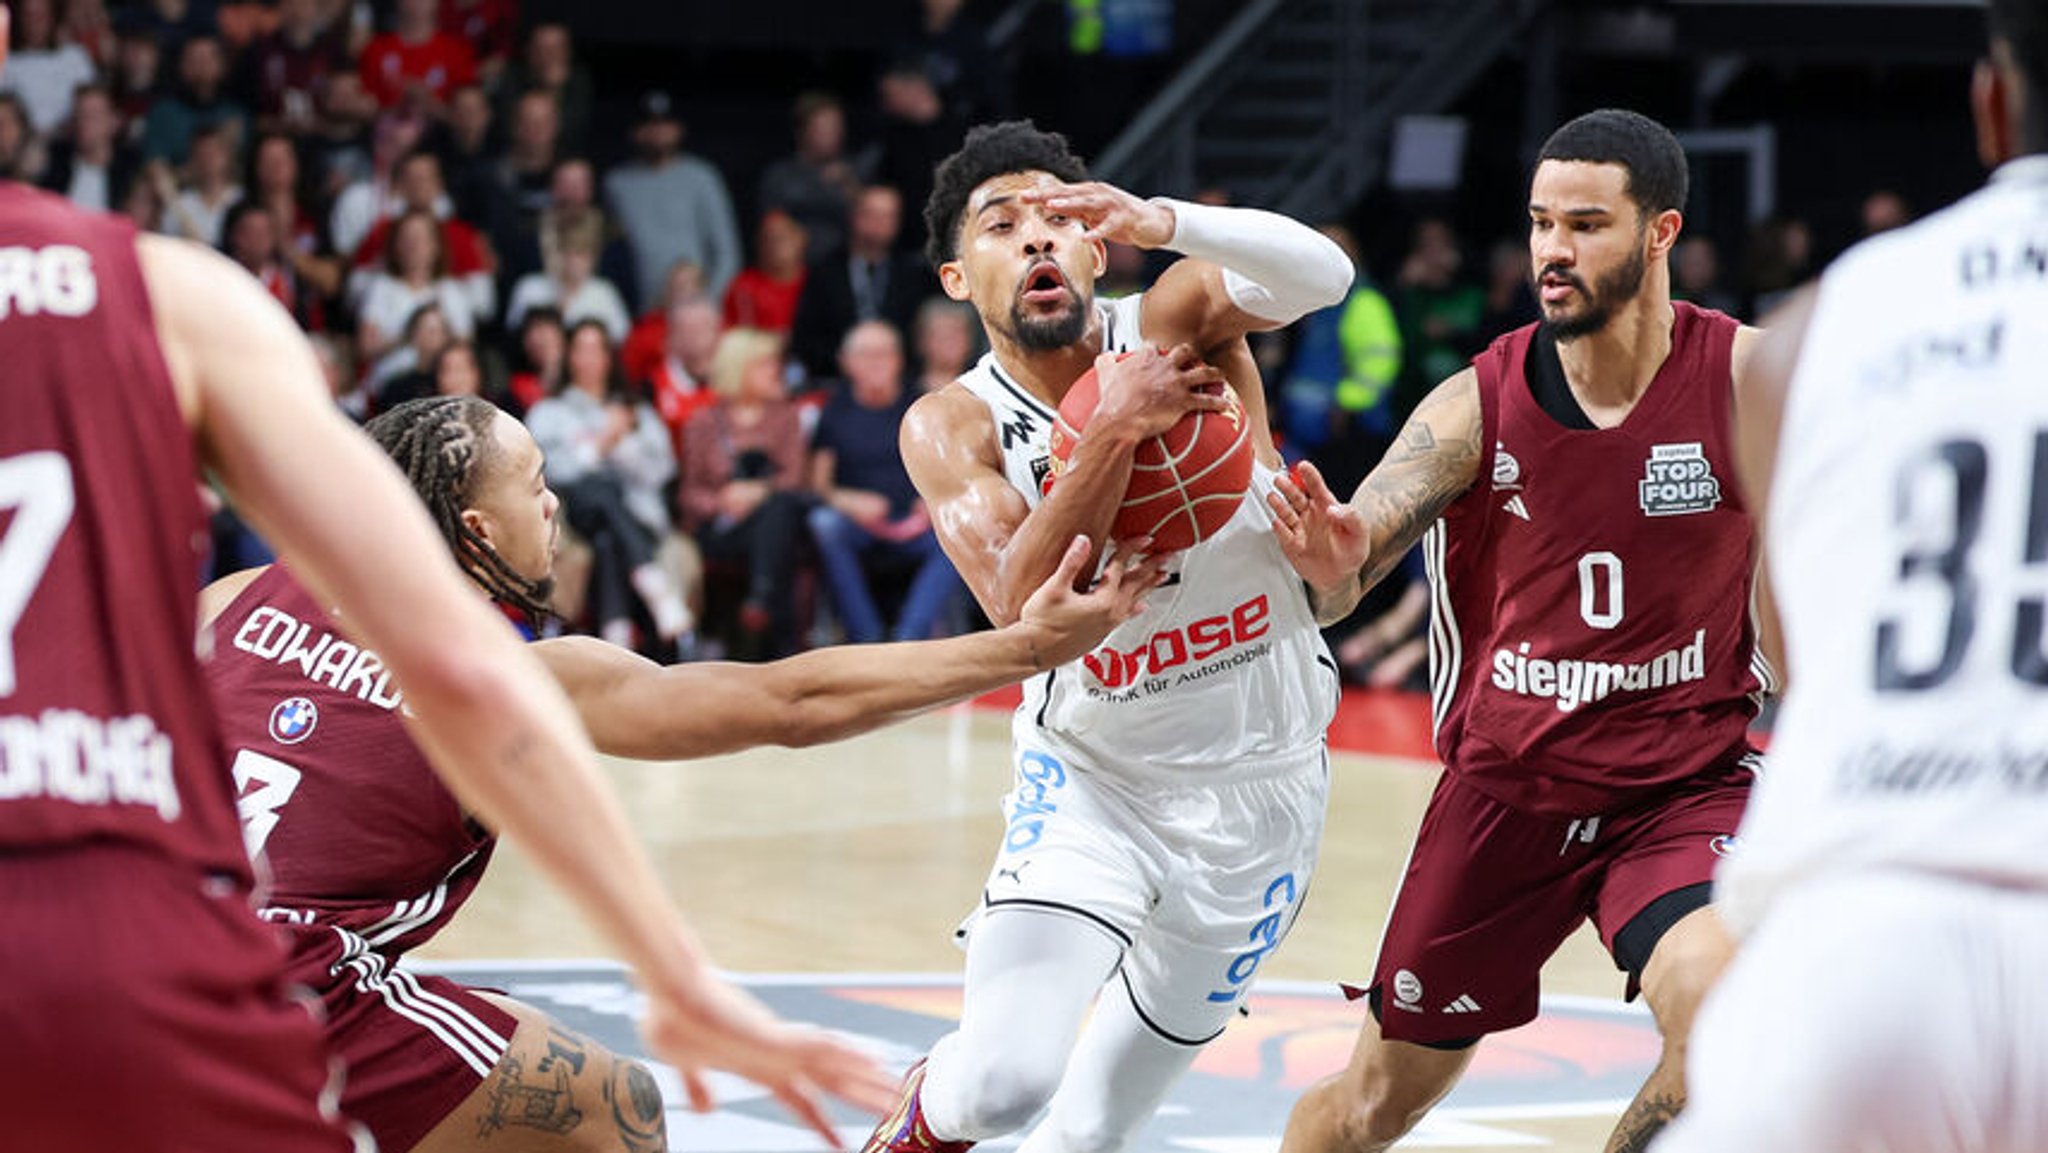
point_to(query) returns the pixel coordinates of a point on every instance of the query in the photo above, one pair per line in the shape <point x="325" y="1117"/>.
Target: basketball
<point x="1186" y="483"/>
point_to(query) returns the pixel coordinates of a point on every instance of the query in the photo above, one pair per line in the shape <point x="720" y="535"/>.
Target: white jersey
<point x="1908" y="537"/>
<point x="1224" y="670"/>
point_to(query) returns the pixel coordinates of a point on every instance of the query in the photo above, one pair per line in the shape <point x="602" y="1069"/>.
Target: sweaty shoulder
<point x="949" y="427"/>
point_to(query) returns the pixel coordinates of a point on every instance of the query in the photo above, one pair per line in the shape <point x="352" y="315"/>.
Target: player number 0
<point x="1600" y="584"/>
<point x="36" y="488"/>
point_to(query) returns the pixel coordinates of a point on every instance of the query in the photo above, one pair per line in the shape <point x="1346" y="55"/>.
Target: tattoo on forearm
<point x="540" y="1098"/>
<point x="1646" y="1118"/>
<point x="636" y="1108"/>
<point x="1417" y="481"/>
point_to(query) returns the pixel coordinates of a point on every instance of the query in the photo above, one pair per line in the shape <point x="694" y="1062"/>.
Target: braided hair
<point x="443" y="445"/>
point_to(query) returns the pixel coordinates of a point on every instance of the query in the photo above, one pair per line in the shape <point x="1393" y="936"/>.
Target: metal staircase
<point x="1292" y="104"/>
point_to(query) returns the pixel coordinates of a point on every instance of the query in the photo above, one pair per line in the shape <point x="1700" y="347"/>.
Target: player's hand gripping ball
<point x="1186" y="483"/>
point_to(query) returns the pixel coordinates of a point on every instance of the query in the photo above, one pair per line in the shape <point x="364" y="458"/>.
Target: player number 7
<point x="36" y="488"/>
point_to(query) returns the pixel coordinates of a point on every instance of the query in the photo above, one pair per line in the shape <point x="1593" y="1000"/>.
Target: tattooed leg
<point x="636" y="1108"/>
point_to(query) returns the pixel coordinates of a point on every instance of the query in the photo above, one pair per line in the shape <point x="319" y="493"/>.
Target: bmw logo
<point x="1723" y="845"/>
<point x="292" y="720"/>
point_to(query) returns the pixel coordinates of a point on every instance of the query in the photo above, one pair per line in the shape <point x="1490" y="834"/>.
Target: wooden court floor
<point x="862" y="857"/>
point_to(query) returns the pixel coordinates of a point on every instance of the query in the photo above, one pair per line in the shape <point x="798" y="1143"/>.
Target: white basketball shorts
<point x="1197" y="883"/>
<point x="1884" y="1012"/>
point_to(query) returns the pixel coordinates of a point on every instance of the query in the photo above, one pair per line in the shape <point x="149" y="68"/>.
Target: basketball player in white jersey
<point x="1170" y="786"/>
<point x="1890" y="994"/>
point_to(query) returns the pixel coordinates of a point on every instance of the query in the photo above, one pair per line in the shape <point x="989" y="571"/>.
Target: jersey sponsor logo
<point x="1677" y="479"/>
<point x="1041" y="474"/>
<point x="274" y="635"/>
<point x="1572" y="682"/>
<point x="57" y="280"/>
<point x="1141" y="668"/>
<point x="1463" y="1004"/>
<point x="66" y="755"/>
<point x="292" y="720"/>
<point x="1018" y="428"/>
<point x="1039" y="777"/>
<point x="1265" y="937"/>
<point x="1881" y="768"/>
<point x="1515" y="506"/>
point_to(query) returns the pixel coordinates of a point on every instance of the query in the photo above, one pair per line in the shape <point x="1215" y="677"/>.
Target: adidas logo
<point x="1464" y="1004"/>
<point x="1515" y="506"/>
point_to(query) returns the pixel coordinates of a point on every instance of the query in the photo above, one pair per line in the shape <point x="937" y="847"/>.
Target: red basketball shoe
<point x="904" y="1130"/>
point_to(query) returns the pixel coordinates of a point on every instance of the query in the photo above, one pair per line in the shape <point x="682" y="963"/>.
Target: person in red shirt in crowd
<point x="642" y="350"/>
<point x="417" y="181"/>
<point x="416" y="63"/>
<point x="680" y="384"/>
<point x="764" y="294"/>
<point x="489" y="27"/>
<point x="277" y="181"/>
<point x="251" y="237"/>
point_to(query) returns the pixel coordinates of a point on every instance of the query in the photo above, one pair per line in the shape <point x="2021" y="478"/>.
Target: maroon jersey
<point x="1591" y="639"/>
<point x="357" y="830"/>
<point x="106" y="733"/>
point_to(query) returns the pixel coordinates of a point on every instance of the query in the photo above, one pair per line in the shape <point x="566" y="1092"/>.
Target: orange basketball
<point x="1186" y="483"/>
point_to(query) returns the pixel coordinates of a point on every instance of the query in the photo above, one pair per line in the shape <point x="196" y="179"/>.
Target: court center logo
<point x="1678" y="479"/>
<point x="1582" y="1057"/>
<point x="292" y="720"/>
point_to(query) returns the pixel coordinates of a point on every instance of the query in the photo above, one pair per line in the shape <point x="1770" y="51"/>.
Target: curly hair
<point x="1645" y="149"/>
<point x="991" y="150"/>
<point x="443" y="445"/>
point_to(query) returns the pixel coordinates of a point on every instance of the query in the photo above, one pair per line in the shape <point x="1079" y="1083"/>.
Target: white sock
<point x="672" y="617"/>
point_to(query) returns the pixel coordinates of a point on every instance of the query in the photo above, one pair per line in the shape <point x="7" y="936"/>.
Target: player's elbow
<point x="1327" y="279"/>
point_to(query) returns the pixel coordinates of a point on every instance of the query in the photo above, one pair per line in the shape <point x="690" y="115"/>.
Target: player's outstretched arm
<point x="1344" y="548"/>
<point x="636" y="708"/>
<point x="494" y="724"/>
<point x="1252" y="269"/>
<point x="1762" y="380"/>
<point x="1002" y="547"/>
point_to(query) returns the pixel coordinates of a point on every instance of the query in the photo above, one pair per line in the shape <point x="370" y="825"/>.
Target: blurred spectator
<point x="43" y="68"/>
<point x="572" y="208"/>
<point x="376" y="197"/>
<point x="341" y="148"/>
<point x="673" y="206"/>
<point x="1884" y="210"/>
<point x="285" y="72"/>
<point x="171" y="23"/>
<point x="946" y="343"/>
<point x="742" y="480"/>
<point x="869" y="520"/>
<point x="137" y="75"/>
<point x="468" y="165"/>
<point x="87" y="24"/>
<point x="549" y="65"/>
<point x="416" y="65"/>
<point x="1438" y="307"/>
<point x="680" y="381"/>
<point x="277" y="181"/>
<point x="1337" y="392"/>
<point x="765" y="292"/>
<point x="528" y="166"/>
<point x="1780" y="260"/>
<point x="456" y="370"/>
<point x="868" y="280"/>
<point x="1510" y="290"/>
<point x="817" y="183"/>
<point x="1696" y="276"/>
<point x="426" y="334"/>
<point x="916" y="132"/>
<point x="572" y="285"/>
<point x="201" y="101"/>
<point x="414" y="272"/>
<point x="252" y="239"/>
<point x="339" y="369"/>
<point x="950" y="46"/>
<point x="543" y="352"/>
<point x="148" y="196"/>
<point x="607" y="459"/>
<point x="92" y="164"/>
<point x="355" y="19"/>
<point x="21" y="150"/>
<point x="644" y="345"/>
<point x="417" y="185"/>
<point x="489" y="27"/>
<point x="210" y="187"/>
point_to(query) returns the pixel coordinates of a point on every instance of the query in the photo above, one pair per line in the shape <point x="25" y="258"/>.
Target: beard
<point x="1049" y="333"/>
<point x="1602" y="299"/>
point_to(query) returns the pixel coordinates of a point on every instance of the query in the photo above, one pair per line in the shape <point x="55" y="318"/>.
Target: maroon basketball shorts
<point x="145" y="1010"/>
<point x="1491" y="892"/>
<point x="415" y="1045"/>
